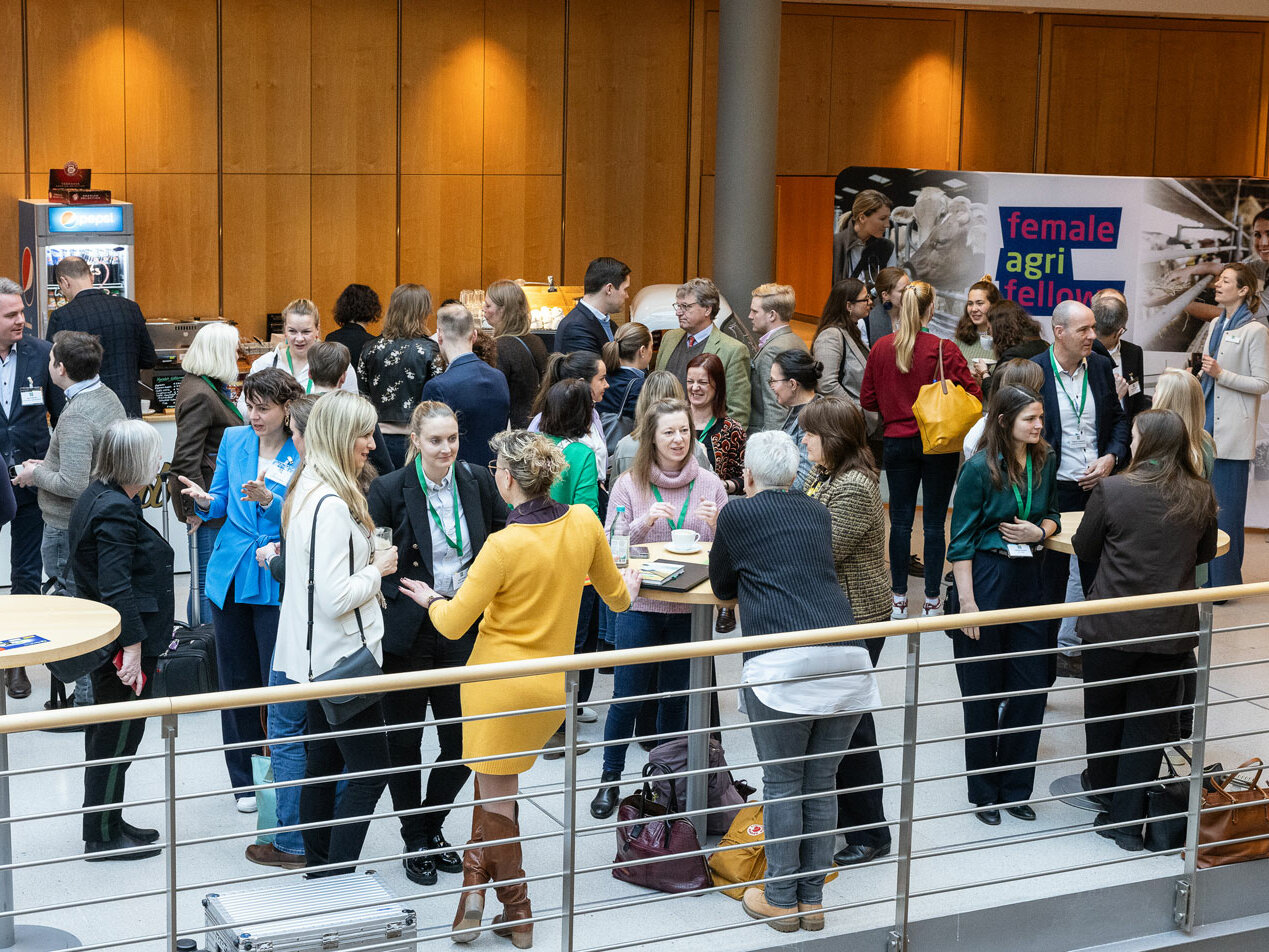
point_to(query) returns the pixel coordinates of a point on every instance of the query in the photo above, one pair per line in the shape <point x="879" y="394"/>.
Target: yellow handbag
<point x="746" y="862"/>
<point x="944" y="413"/>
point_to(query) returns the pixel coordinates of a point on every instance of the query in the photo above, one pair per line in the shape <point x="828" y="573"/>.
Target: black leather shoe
<point x="1023" y="812"/>
<point x="136" y="849"/>
<point x="448" y="861"/>
<point x="420" y="869"/>
<point x="726" y="621"/>
<point x="990" y="816"/>
<point x="853" y="854"/>
<point x="916" y="568"/>
<point x="1126" y="838"/>
<point x="1100" y="800"/>
<point x="18" y="683"/>
<point x="139" y="833"/>
<point x="606" y="798"/>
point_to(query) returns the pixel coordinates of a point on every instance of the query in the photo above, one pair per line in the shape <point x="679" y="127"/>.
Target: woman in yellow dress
<point x="530" y="606"/>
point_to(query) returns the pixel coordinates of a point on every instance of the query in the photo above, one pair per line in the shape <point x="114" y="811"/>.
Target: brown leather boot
<point x="471" y="902"/>
<point x="504" y="860"/>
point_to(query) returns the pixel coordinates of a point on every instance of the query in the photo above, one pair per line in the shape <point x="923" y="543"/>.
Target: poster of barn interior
<point x="1047" y="238"/>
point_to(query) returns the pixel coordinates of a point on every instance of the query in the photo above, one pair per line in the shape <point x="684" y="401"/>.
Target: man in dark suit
<point x="466" y="497"/>
<point x="1085" y="425"/>
<point x="117" y="321"/>
<point x="476" y="392"/>
<point x="605" y="290"/>
<point x="24" y="435"/>
<point x="1110" y="311"/>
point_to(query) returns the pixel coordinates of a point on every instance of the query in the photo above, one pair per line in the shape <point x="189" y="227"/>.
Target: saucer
<point x="693" y="548"/>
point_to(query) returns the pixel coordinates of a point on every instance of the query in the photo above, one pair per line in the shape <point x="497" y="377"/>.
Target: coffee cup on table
<point x="684" y="538"/>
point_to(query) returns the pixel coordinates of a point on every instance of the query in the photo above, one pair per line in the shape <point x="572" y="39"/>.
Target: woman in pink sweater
<point x="664" y="489"/>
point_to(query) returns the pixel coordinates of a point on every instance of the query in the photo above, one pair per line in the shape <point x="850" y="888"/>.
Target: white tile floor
<point x="943" y="883"/>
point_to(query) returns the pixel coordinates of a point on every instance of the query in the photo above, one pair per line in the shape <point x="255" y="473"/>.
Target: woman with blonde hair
<point x="860" y="247"/>
<point x="657" y="386"/>
<point x="527" y="608"/>
<point x="521" y="354"/>
<point x="898" y="366"/>
<point x="330" y="610"/>
<point x="394" y="368"/>
<point x="301" y="328"/>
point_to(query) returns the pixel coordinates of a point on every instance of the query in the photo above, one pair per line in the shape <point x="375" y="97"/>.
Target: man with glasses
<point x="696" y="304"/>
<point x="770" y="312"/>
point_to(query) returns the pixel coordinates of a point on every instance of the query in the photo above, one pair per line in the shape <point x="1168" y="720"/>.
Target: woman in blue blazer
<point x="253" y="468"/>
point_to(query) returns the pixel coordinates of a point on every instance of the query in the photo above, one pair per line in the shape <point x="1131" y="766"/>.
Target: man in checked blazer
<point x="117" y="321"/>
<point x="696" y="304"/>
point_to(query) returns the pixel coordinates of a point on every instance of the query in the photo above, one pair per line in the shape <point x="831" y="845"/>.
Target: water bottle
<point x="619" y="542"/>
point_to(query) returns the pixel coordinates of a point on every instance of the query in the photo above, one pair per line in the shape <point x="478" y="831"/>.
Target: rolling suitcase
<point x="188" y="665"/>
<point x="308" y="915"/>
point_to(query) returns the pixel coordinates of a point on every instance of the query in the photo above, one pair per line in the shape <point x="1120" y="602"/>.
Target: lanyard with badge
<point x="223" y="399"/>
<point x="450" y="582"/>
<point x="683" y="512"/>
<point x="704" y="434"/>
<point x="1021" y="550"/>
<point x="308" y="384"/>
<point x="31" y="395"/>
<point x="1079" y="440"/>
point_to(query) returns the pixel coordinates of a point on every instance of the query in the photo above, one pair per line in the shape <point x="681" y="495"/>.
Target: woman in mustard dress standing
<point x="530" y="609"/>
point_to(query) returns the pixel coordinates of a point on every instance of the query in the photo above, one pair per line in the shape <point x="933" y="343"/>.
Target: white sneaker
<point x="932" y="608"/>
<point x="246" y="804"/>
<point x="586" y="715"/>
<point x="898" y="607"/>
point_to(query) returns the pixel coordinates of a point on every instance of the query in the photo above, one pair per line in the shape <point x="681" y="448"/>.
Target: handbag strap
<point x="942" y="376"/>
<point x="626" y="396"/>
<point x="312" y="557"/>
<point x="651" y="769"/>
<point x="1255" y="762"/>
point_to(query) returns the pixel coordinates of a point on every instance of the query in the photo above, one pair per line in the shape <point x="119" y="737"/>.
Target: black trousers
<point x="857" y="807"/>
<point x="329" y="757"/>
<point x="25" y="562"/>
<point x="1002" y="582"/>
<point x="1057" y="566"/>
<point x="103" y="784"/>
<point x="405" y="707"/>
<point x="1104" y="739"/>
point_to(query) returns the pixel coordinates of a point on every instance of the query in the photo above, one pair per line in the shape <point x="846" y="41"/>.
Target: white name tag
<point x="280" y="471"/>
<point x="1233" y="338"/>
<point x="1134" y="388"/>
<point x="1018" y="550"/>
<point x="32" y="396"/>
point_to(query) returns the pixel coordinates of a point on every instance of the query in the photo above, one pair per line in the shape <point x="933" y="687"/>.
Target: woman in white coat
<point x="1235" y="375"/>
<point x="328" y="533"/>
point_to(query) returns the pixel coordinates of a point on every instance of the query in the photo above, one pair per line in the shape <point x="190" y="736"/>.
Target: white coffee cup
<point x="684" y="538"/>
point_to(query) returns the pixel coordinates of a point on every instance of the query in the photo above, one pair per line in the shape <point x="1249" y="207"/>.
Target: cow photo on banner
<point x="1044" y="239"/>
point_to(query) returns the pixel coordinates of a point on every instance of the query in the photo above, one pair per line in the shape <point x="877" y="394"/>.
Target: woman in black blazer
<point x="419" y="502"/>
<point x="120" y="560"/>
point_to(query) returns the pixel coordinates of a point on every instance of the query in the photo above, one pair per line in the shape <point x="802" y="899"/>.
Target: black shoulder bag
<point x="360" y="664"/>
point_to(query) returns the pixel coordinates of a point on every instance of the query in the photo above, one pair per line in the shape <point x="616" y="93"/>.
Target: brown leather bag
<point x="1249" y="818"/>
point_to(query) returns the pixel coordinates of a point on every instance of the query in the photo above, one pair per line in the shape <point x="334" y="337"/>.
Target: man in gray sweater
<point x="64" y="473"/>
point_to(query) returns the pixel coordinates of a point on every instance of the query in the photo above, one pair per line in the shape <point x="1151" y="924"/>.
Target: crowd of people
<point x="384" y="503"/>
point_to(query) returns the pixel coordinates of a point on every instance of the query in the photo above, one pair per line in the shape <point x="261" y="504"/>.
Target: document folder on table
<point x="691" y="576"/>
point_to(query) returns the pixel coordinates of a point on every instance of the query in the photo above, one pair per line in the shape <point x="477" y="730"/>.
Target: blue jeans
<point x="287" y="720"/>
<point x="907" y="470"/>
<point x="642" y="630"/>
<point x="206" y="538"/>
<point x="1229" y="482"/>
<point x="811" y="820"/>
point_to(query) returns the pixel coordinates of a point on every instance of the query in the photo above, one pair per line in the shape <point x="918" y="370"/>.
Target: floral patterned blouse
<point x="724" y="442"/>
<point x="392" y="373"/>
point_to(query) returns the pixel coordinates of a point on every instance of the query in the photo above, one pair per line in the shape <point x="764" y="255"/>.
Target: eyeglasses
<point x="773" y="381"/>
<point x="684" y="305"/>
<point x="493" y="467"/>
<point x="866" y="299"/>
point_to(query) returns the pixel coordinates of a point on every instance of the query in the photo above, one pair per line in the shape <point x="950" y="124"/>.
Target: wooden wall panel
<point x="626" y="187"/>
<point x="804" y="246"/>
<point x="895" y="111"/>
<point x="266" y="85"/>
<point x="76" y="113"/>
<point x="709" y="94"/>
<point x="354" y="105"/>
<point x="440" y="233"/>
<point x="12" y="188"/>
<point x="12" y="154"/>
<point x="806" y="61"/>
<point x="442" y="87"/>
<point x="1102" y="88"/>
<point x="521" y="227"/>
<point x="705" y="262"/>
<point x="354" y="235"/>
<point x="170" y="88"/>
<point x="266" y="241"/>
<point x="1205" y="120"/>
<point x="175" y="217"/>
<point x="524" y="87"/>
<point x="998" y="118"/>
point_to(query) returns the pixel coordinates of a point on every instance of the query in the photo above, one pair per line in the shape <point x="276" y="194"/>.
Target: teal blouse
<point x="579" y="483"/>
<point x="979" y="507"/>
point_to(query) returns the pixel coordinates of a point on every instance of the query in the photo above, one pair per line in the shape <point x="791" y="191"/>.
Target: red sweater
<point x="887" y="390"/>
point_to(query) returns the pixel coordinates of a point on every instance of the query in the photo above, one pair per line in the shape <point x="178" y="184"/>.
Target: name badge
<point x="1234" y="338"/>
<point x="32" y="396"/>
<point x="1018" y="550"/>
<point x="1134" y="388"/>
<point x="280" y="471"/>
<point x="447" y="584"/>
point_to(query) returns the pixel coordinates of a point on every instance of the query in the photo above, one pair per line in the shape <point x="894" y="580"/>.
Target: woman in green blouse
<point x="566" y="418"/>
<point x="1005" y="507"/>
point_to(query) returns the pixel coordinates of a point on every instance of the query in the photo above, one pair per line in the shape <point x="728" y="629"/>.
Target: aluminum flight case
<point x="309" y="915"/>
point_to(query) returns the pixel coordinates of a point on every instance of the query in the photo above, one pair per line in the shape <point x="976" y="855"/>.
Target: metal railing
<point x="580" y="871"/>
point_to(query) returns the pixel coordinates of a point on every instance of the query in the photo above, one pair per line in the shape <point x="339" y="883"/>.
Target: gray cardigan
<point x="68" y="464"/>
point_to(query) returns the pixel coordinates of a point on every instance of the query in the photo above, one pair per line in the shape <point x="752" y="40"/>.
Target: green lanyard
<point x="683" y="513"/>
<point x="308" y="384"/>
<point x="705" y="431"/>
<point x="1024" y="513"/>
<point x="457" y="542"/>
<point x="221" y="393"/>
<point x="1057" y="379"/>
